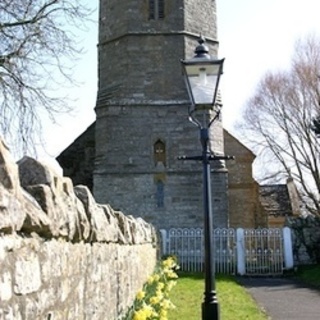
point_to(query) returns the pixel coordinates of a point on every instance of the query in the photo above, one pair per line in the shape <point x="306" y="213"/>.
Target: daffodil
<point x="155" y="300"/>
<point x="160" y="286"/>
<point x="152" y="301"/>
<point x="140" y="295"/>
<point x="163" y="314"/>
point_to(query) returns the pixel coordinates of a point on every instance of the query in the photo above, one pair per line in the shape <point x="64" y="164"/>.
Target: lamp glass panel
<point x="202" y="81"/>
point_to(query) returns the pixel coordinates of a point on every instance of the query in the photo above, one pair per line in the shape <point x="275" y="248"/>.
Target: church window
<point x="159" y="153"/>
<point x="160" y="194"/>
<point x="156" y="9"/>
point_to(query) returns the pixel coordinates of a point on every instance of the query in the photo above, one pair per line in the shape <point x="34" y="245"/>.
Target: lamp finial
<point x="202" y="50"/>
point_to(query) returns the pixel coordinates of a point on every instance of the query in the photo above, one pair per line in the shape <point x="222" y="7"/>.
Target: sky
<point x="254" y="35"/>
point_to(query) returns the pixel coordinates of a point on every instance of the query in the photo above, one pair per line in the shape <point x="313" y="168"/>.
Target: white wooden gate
<point x="242" y="251"/>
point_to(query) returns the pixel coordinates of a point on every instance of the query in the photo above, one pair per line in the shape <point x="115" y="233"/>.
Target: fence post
<point x="287" y="248"/>
<point x="164" y="241"/>
<point x="241" y="254"/>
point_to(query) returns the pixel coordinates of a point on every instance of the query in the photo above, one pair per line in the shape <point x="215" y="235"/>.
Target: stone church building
<point x="129" y="156"/>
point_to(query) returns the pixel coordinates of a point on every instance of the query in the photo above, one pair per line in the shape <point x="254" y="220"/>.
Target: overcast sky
<point x="254" y="35"/>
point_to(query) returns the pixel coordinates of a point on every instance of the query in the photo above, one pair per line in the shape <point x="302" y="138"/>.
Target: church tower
<point x="141" y="113"/>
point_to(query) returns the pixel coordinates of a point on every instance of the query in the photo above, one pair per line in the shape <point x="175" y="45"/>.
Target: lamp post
<point x="202" y="74"/>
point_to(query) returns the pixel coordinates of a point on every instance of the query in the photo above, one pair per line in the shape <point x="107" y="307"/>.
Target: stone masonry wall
<point x="62" y="255"/>
<point x="306" y="239"/>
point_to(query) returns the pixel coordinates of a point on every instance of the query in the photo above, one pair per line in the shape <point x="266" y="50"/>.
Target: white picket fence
<point x="241" y="251"/>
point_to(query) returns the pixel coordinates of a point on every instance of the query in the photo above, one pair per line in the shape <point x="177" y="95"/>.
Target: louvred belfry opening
<point x="156" y="9"/>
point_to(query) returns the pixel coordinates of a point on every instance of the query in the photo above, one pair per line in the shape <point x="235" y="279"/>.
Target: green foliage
<point x="310" y="274"/>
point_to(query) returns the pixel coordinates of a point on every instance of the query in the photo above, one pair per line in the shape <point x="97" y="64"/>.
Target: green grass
<point x="309" y="274"/>
<point x="234" y="301"/>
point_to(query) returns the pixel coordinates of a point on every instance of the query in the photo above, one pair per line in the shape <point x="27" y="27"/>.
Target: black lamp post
<point x="202" y="74"/>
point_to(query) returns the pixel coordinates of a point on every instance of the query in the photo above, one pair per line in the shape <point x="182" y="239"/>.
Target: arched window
<point x="159" y="153"/>
<point x="156" y="9"/>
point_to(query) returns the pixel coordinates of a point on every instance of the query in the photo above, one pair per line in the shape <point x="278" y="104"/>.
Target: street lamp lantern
<point x="202" y="75"/>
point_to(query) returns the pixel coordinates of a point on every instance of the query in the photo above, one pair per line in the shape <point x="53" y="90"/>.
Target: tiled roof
<point x="275" y="200"/>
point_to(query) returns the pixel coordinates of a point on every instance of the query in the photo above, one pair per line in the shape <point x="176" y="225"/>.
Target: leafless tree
<point x="37" y="51"/>
<point x="277" y="122"/>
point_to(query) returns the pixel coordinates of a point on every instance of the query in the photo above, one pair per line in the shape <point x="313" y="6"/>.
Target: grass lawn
<point x="234" y="301"/>
<point x="309" y="274"/>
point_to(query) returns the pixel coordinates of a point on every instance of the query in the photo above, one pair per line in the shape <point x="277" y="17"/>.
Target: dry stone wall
<point x="306" y="238"/>
<point x="62" y="255"/>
